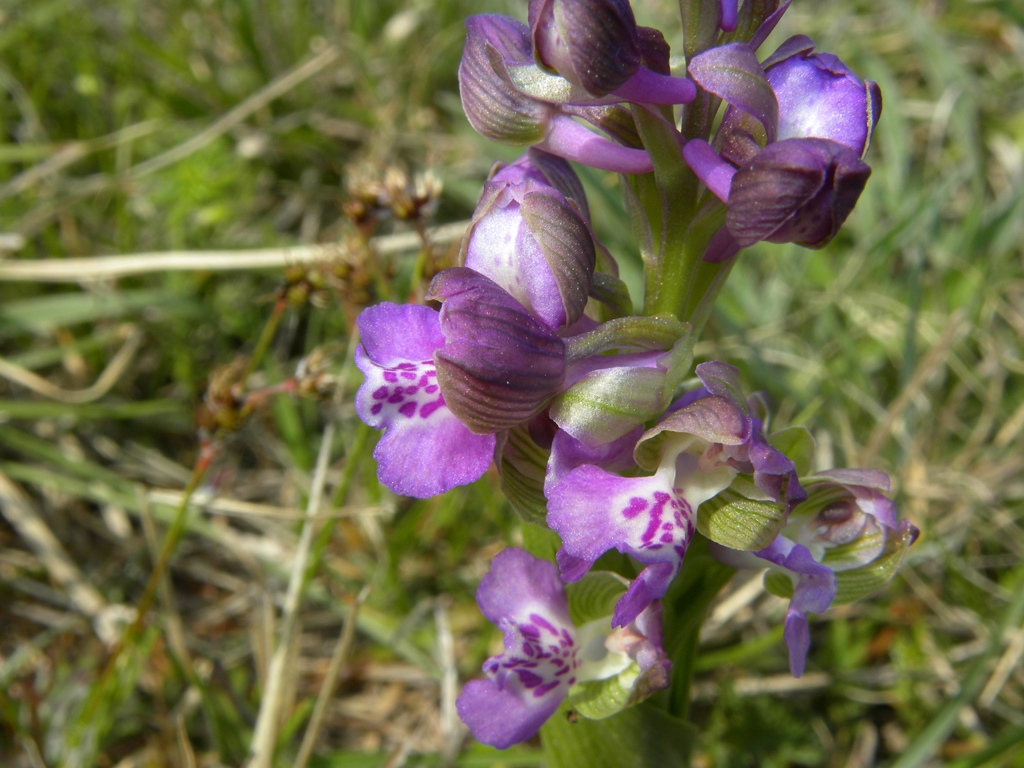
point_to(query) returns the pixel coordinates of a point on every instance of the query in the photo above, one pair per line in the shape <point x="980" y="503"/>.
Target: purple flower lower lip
<point x="595" y="511"/>
<point x="546" y="653"/>
<point x="425" y="449"/>
<point x="526" y="684"/>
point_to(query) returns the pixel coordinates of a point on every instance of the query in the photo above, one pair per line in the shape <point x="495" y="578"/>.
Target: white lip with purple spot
<point x="406" y="390"/>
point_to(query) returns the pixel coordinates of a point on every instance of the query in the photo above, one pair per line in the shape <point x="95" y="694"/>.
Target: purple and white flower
<point x="546" y="653"/>
<point x="843" y="543"/>
<point x="425" y="450"/>
<point x="530" y="237"/>
<point x="696" y="451"/>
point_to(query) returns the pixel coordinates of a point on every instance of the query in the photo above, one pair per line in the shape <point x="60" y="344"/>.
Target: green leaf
<point x="638" y="737"/>
<point x="735" y="521"/>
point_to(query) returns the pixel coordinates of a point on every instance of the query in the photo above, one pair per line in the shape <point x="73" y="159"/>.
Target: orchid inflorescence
<point x="536" y="361"/>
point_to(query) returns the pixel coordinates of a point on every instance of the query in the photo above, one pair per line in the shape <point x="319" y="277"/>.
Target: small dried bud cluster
<point x="375" y="194"/>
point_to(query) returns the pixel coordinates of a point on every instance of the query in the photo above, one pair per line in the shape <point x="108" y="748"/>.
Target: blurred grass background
<point x="254" y="125"/>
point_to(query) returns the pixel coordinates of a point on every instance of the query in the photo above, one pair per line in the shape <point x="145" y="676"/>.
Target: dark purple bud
<point x="510" y="100"/>
<point x="591" y="43"/>
<point x="494" y="106"/>
<point x="499" y="365"/>
<point x="795" y="191"/>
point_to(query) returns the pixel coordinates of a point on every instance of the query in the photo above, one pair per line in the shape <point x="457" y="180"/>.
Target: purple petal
<point x="524" y="596"/>
<point x="814" y="591"/>
<point x="518" y="585"/>
<point x="425" y="449"/>
<point x="424" y="457"/>
<point x="568" y="453"/>
<point x="712" y="170"/>
<point x="729" y="15"/>
<point x="646" y="517"/>
<point x="768" y="25"/>
<point x="733" y="73"/>
<point x="797" y="634"/>
<point x="501" y="717"/>
<point x="648" y="87"/>
<point x="567" y="138"/>
<point x="393" y="333"/>
<point x="819" y="97"/>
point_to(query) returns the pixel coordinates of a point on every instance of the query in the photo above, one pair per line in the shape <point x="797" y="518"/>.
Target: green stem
<point x="685" y="606"/>
<point x="266" y="337"/>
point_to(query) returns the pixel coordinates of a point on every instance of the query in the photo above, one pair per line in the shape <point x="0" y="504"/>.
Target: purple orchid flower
<point x="545" y="653"/>
<point x="425" y="450"/>
<point x="696" y="451"/>
<point x="441" y="385"/>
<point x="504" y="109"/>
<point x="788" y="164"/>
<point x="530" y="236"/>
<point x="843" y="543"/>
<point x="813" y="592"/>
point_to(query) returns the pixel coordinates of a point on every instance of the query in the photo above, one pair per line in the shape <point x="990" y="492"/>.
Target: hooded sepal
<point x="620" y="392"/>
<point x="499" y="365"/>
<point x="494" y="106"/>
<point x="592" y="43"/>
<point x="795" y="191"/>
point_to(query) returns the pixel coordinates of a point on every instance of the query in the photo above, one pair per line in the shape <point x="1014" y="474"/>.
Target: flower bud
<point x="533" y="242"/>
<point x="499" y="365"/>
<point x="492" y="103"/>
<point x="591" y="43"/>
<point x="795" y="191"/>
